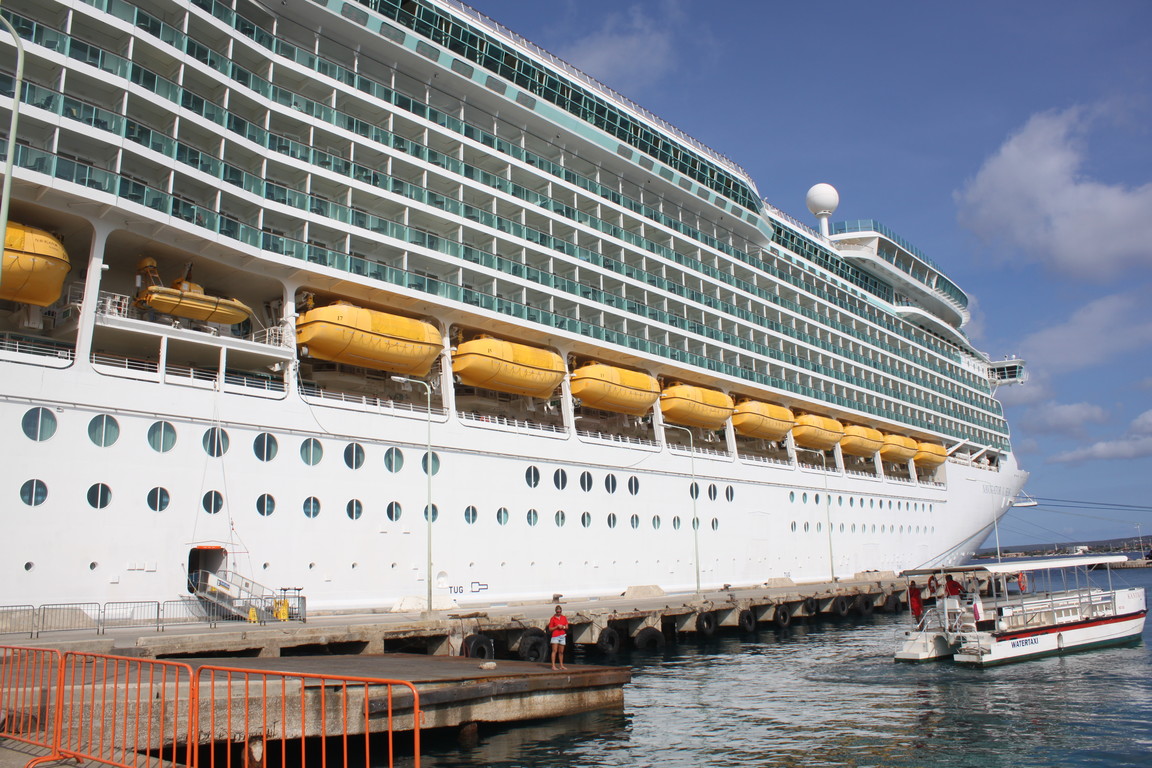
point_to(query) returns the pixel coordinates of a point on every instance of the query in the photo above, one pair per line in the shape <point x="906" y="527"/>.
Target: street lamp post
<point x="428" y="469"/>
<point x="10" y="155"/>
<point x="693" y="491"/>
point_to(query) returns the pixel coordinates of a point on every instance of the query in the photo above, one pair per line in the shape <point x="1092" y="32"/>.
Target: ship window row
<point x="193" y="100"/>
<point x="224" y="66"/>
<point x="864" y="528"/>
<point x="188" y="213"/>
<point x="858" y="501"/>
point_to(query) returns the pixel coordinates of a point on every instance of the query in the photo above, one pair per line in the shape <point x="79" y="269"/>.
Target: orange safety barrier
<point x="300" y="719"/>
<point x="125" y="712"/>
<point x="28" y="684"/>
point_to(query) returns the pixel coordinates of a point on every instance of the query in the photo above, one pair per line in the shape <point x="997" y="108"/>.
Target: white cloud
<point x="1068" y="419"/>
<point x="633" y="48"/>
<point x="1031" y="195"/>
<point x="1100" y="331"/>
<point x="1136" y="444"/>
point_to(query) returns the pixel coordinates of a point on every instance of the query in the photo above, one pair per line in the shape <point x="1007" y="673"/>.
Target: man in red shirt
<point x="558" y="628"/>
<point x="915" y="601"/>
<point x="952" y="587"/>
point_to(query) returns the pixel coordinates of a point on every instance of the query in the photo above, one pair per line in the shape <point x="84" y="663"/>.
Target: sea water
<point x="829" y="694"/>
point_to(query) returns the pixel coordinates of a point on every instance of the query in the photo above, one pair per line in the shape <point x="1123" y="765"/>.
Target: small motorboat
<point x="995" y="613"/>
<point x="185" y="298"/>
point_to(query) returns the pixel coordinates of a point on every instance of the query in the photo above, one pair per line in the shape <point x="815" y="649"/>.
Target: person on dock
<point x="915" y="601"/>
<point x="558" y="628"/>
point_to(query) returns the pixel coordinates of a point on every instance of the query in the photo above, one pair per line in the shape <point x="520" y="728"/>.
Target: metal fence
<point x="28" y="679"/>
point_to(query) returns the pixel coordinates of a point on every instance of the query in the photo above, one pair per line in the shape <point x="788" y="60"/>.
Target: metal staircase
<point x="228" y="595"/>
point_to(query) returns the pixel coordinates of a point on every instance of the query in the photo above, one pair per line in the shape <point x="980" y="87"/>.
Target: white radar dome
<point x="823" y="199"/>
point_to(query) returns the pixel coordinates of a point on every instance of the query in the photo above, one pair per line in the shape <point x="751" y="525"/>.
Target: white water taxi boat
<point x="1023" y="610"/>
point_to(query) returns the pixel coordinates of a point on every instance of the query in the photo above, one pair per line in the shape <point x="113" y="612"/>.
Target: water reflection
<point x="830" y="694"/>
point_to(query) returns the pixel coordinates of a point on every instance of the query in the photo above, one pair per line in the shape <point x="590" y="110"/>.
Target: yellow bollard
<point x="252" y="617"/>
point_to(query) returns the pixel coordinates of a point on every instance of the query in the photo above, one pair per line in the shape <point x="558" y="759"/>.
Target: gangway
<point x="232" y="595"/>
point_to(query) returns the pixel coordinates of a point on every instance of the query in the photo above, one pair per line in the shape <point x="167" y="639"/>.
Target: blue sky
<point x="1010" y="141"/>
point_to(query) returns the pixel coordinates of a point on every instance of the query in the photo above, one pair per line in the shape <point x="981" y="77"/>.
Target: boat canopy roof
<point x="1022" y="565"/>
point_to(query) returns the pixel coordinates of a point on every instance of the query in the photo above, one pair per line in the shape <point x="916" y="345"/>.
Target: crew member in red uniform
<point x="952" y="587"/>
<point x="915" y="601"/>
<point x="558" y="628"/>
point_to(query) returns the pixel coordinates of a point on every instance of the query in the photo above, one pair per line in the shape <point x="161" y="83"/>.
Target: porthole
<point x="435" y="463"/>
<point x="676" y="522"/>
<point x="817" y="499"/>
<point x="882" y="528"/>
<point x="634" y="521"/>
<point x="586" y="519"/>
<point x="560" y="517"/>
<point x="533" y="517"/>
<point x="158" y="499"/>
<point x="819" y="527"/>
<point x="715" y="524"/>
<point x="586" y="481"/>
<point x="611" y="519"/>
<point x="804" y="498"/>
<point x="634" y="485"/>
<point x="29" y="565"/>
<point x="103" y="430"/>
<point x="502" y="516"/>
<point x="470" y="514"/>
<point x="793" y="526"/>
<point x="901" y="529"/>
<point x="871" y="503"/>
<point x="792" y="496"/>
<point x="655" y="522"/>
<point x="610" y="483"/>
<point x="161" y="436"/>
<point x="39" y="424"/>
<point x="311" y="507"/>
<point x="693" y="491"/>
<point x="33" y="492"/>
<point x="853" y="527"/>
<point x="841" y="527"/>
<point x="311" y="451"/>
<point x="873" y="527"/>
<point x="695" y="523"/>
<point x="354" y="509"/>
<point x="851" y="501"/>
<point x="265" y="446"/>
<point x="532" y="477"/>
<point x="861" y="502"/>
<point x="730" y="493"/>
<point x="212" y="502"/>
<point x="99" y="495"/>
<point x="394" y="511"/>
<point x="93" y="565"/>
<point x="354" y="455"/>
<point x="393" y="459"/>
<point x="560" y="479"/>
<point x="435" y="512"/>
<point x="839" y="501"/>
<point x="712" y="492"/>
<point x="215" y="442"/>
<point x="805" y="527"/>
<point x="265" y="505"/>
<point x="899" y="504"/>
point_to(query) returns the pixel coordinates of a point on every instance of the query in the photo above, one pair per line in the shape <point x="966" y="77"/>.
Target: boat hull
<point x="342" y="333"/>
<point x="990" y="649"/>
<point x="193" y="305"/>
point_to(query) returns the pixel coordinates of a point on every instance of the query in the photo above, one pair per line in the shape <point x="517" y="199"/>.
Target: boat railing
<point x="127" y="363"/>
<point x="504" y="421"/>
<point x="765" y="459"/>
<point x="818" y="467"/>
<point x="366" y="401"/>
<point x="698" y="449"/>
<point x="30" y="345"/>
<point x="616" y="438"/>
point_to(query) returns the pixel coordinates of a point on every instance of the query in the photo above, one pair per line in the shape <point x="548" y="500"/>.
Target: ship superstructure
<point x="309" y="242"/>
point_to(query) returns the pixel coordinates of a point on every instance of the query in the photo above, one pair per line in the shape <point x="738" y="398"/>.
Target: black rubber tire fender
<point x="810" y="606"/>
<point x="479" y="646"/>
<point x="864" y="605"/>
<point x="706" y="623"/>
<point x="609" y="641"/>
<point x="892" y="603"/>
<point x="782" y="616"/>
<point x="649" y="639"/>
<point x="747" y="620"/>
<point x="533" y="645"/>
<point x="840" y="606"/>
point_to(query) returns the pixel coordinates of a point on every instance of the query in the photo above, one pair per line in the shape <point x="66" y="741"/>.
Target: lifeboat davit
<point x="618" y="390"/>
<point x="692" y="406"/>
<point x="898" y="448"/>
<point x="345" y="333"/>
<point x="763" y="420"/>
<point x="930" y="455"/>
<point x="506" y="366"/>
<point x="817" y="433"/>
<point x="187" y="299"/>
<point x="861" y="441"/>
<point x="34" y="266"/>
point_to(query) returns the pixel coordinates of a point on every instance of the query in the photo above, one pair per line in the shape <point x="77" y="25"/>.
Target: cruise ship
<point x="378" y="301"/>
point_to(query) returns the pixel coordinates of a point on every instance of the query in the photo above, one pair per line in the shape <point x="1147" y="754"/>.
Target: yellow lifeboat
<point x="898" y="448"/>
<point x="764" y="420"/>
<point x="345" y="333"/>
<point x="930" y="455"/>
<point x="693" y="406"/>
<point x="34" y="266"/>
<point x="506" y="366"/>
<point x="861" y="441"/>
<point x="187" y="299"/>
<point x="817" y="433"/>
<point x="614" y="389"/>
